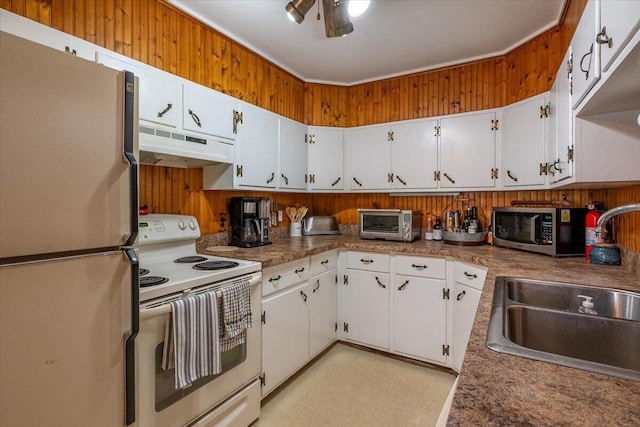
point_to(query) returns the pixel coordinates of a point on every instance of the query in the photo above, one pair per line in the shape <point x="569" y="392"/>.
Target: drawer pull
<point x="419" y="267"/>
<point x="317" y="286"/>
<point x="470" y="276"/>
<point x="326" y="261"/>
<point x="404" y="285"/>
<point x="304" y="296"/>
<point x="366" y="260"/>
<point x="275" y="279"/>
<point x="382" y="285"/>
<point x="461" y="295"/>
<point x="166" y="110"/>
<point x="298" y="271"/>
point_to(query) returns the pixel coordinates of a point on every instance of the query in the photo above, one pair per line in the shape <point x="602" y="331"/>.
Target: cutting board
<point x="221" y="248"/>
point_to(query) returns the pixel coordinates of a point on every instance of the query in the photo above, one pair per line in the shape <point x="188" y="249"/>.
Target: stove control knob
<point x="181" y="225"/>
<point x="192" y="224"/>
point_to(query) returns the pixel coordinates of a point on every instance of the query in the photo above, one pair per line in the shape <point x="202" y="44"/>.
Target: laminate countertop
<point x="496" y="389"/>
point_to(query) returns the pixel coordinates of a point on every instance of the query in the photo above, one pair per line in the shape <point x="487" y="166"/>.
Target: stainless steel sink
<point x="542" y="320"/>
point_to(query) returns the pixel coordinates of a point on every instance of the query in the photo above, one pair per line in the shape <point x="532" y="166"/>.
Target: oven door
<point x="383" y="224"/>
<point x="160" y="404"/>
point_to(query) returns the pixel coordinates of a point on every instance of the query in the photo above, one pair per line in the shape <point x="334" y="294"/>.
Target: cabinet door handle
<point x="163" y="112"/>
<point x="304" y="296"/>
<point x="335" y="182"/>
<point x="271" y="178"/>
<point x="449" y="178"/>
<point x="195" y="118"/>
<point x="286" y="180"/>
<point x="511" y="176"/>
<point x="401" y="180"/>
<point x="603" y="38"/>
<point x="470" y="276"/>
<point x="357" y="182"/>
<point x="317" y="286"/>
<point x="366" y="260"/>
<point x="382" y="285"/>
<point x="419" y="267"/>
<point x="275" y="279"/>
<point x="404" y="285"/>
<point x="589" y="54"/>
<point x="298" y="271"/>
<point x="461" y="295"/>
<point x="326" y="261"/>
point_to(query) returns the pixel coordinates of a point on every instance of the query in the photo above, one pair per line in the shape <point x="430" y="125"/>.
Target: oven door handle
<point x="130" y="349"/>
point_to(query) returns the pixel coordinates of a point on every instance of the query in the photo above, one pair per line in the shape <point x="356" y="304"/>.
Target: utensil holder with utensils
<point x="295" y="216"/>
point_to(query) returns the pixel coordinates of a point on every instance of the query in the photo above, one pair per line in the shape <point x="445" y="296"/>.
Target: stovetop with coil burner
<point x="169" y="262"/>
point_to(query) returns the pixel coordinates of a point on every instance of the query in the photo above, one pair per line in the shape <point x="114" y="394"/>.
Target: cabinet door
<point x="465" y="302"/>
<point x="420" y="318"/>
<point x="524" y="136"/>
<point x="367" y="308"/>
<point x="619" y="21"/>
<point x="293" y="155"/>
<point x="160" y="94"/>
<point x="323" y="312"/>
<point x="285" y="335"/>
<point x="257" y="148"/>
<point x="370" y="158"/>
<point x="467" y="151"/>
<point x="415" y="155"/>
<point x="560" y="145"/>
<point x="326" y="158"/>
<point x="208" y="111"/>
<point x="586" y="53"/>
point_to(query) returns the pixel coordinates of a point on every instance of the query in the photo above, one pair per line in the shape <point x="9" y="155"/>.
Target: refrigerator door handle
<point x="130" y="355"/>
<point x="129" y="152"/>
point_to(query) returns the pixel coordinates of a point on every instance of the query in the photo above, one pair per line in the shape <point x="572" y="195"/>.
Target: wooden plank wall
<point x="154" y="32"/>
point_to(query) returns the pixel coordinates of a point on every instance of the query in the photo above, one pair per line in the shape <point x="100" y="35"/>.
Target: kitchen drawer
<point x="469" y="274"/>
<point x="323" y="262"/>
<point x="434" y="268"/>
<point x="282" y="276"/>
<point x="369" y="261"/>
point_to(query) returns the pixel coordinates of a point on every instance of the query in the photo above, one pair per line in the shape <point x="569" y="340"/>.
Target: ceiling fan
<point x="337" y="14"/>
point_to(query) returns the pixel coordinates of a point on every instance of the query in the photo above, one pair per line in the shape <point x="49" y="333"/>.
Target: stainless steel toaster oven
<point x="390" y="224"/>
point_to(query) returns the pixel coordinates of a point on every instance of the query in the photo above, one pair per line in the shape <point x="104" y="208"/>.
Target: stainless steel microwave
<point x="551" y="231"/>
<point x="390" y="224"/>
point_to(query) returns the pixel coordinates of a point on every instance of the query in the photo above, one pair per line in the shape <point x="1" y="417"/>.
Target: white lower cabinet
<point x="469" y="281"/>
<point x="323" y="300"/>
<point x="367" y="308"/>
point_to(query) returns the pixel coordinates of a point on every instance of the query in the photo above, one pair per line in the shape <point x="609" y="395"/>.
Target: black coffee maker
<point x="249" y="218"/>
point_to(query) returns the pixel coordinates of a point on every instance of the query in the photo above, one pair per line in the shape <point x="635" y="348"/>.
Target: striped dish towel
<point x="196" y="338"/>
<point x="236" y="314"/>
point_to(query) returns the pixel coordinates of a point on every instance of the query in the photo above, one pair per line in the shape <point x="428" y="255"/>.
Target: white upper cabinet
<point x="156" y="106"/>
<point x="208" y="111"/>
<point x="467" y="150"/>
<point x="414" y="155"/>
<point x="325" y="158"/>
<point x="524" y="137"/>
<point x="586" y="53"/>
<point x="560" y="144"/>
<point x="370" y="158"/>
<point x="257" y="148"/>
<point x="293" y="155"/>
<point x="619" y="21"/>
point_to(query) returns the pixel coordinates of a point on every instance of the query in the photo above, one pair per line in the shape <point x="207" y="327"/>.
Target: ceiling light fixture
<point x="297" y="9"/>
<point x="336" y="14"/>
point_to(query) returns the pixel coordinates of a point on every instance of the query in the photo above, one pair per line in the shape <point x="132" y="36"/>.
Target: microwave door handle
<point x="533" y="228"/>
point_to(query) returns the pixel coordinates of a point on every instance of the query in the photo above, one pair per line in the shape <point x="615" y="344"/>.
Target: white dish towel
<point x="196" y="338"/>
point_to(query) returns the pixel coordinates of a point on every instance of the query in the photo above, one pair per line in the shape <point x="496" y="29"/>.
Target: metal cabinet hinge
<point x="262" y="379"/>
<point x="389" y="177"/>
<point x="345" y="327"/>
<point x="345" y="280"/>
<point x="494" y="124"/>
<point x="436" y="131"/>
<point x="445" y="293"/>
<point x="445" y="350"/>
<point x="436" y="175"/>
<point x="389" y="136"/>
<point x="263" y="317"/>
<point x="544" y="111"/>
<point x="237" y="118"/>
<point x="570" y="154"/>
<point x="239" y="170"/>
<point x="544" y="168"/>
<point x="311" y="139"/>
<point x="494" y="173"/>
<point x="70" y="51"/>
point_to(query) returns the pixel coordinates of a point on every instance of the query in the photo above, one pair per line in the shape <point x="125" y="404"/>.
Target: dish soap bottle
<point x="437" y="229"/>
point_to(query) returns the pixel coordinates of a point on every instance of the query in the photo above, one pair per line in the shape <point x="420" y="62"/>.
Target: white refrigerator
<point x="68" y="220"/>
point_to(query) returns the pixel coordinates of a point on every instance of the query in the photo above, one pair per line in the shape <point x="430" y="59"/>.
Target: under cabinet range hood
<point x="160" y="147"/>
